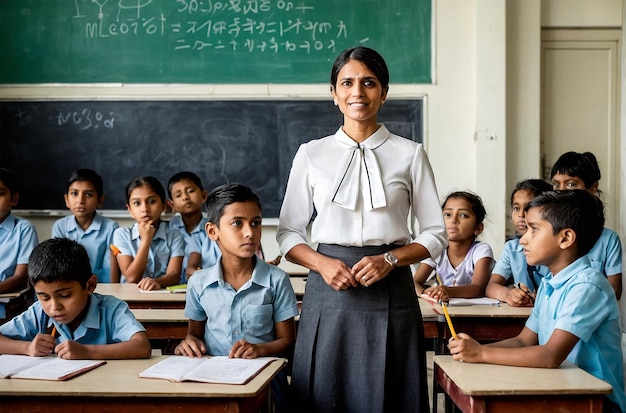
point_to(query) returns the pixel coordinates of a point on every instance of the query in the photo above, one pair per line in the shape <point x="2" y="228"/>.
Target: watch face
<point x="391" y="259"/>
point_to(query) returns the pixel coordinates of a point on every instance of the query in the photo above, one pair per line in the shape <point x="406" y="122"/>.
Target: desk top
<point x="165" y="315"/>
<point x="119" y="378"/>
<point x="130" y="292"/>
<point x="503" y="310"/>
<point x="476" y="379"/>
<point x="5" y="297"/>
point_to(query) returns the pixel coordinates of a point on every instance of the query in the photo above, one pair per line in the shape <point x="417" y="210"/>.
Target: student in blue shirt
<point x="241" y="307"/>
<point x="576" y="315"/>
<point x="94" y="232"/>
<point x="69" y="318"/>
<point x="150" y="254"/>
<point x="575" y="170"/>
<point x="511" y="269"/>
<point x="18" y="237"/>
<point x="187" y="197"/>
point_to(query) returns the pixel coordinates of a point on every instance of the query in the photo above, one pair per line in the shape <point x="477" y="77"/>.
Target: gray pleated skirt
<point x="360" y="349"/>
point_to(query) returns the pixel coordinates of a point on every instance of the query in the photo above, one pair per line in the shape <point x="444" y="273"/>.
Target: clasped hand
<point x="366" y="272"/>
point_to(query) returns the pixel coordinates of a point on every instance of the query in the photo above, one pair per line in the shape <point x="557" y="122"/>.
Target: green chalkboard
<point x="207" y="41"/>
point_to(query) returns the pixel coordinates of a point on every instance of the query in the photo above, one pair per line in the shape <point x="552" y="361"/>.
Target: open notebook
<point x="43" y="368"/>
<point x="456" y="302"/>
<point x="221" y="369"/>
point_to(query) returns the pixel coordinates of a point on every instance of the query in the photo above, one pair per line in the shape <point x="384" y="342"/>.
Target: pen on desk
<point x="114" y="250"/>
<point x="528" y="293"/>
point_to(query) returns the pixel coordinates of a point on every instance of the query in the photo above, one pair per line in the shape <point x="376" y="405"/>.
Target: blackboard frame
<point x="43" y="141"/>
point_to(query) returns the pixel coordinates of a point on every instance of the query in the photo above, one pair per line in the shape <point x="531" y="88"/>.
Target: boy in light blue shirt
<point x="187" y="196"/>
<point x="576" y="315"/>
<point x="241" y="307"/>
<point x="94" y="232"/>
<point x="511" y="270"/>
<point x="18" y="237"/>
<point x="69" y="318"/>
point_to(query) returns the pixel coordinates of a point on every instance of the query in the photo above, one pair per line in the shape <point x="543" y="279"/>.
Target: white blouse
<point x="362" y="194"/>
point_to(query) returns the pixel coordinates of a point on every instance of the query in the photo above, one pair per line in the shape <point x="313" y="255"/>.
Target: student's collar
<point x="358" y="172"/>
<point x="554" y="282"/>
<point x="260" y="273"/>
<point x="9" y="222"/>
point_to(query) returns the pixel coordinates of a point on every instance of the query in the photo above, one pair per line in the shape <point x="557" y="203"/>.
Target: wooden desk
<point x="162" y="323"/>
<point x="482" y="322"/>
<point x="488" y="388"/>
<point x="16" y="302"/>
<point x="136" y="299"/>
<point x="298" y="284"/>
<point x="115" y="387"/>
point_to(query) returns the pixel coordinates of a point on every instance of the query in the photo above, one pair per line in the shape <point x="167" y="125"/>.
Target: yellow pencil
<point x="445" y="312"/>
<point x="54" y="331"/>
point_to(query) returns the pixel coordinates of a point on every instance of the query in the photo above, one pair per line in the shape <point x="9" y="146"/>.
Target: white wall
<point x="486" y="83"/>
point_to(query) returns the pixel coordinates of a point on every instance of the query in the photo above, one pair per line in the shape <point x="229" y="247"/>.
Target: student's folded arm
<point x="193" y="264"/>
<point x="172" y="275"/>
<point x="479" y="281"/>
<point x="285" y="338"/>
<point x="616" y="282"/>
<point x="549" y="355"/>
<point x="133" y="268"/>
<point x="17" y="281"/>
<point x="420" y="276"/>
<point x="11" y="346"/>
<point x="496" y="288"/>
<point x="137" y="347"/>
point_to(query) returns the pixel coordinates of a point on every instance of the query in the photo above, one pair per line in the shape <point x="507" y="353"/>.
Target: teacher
<point x="360" y="345"/>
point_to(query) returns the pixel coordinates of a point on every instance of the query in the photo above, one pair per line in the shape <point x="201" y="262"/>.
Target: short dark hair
<point x="475" y="203"/>
<point x="149" y="181"/>
<point x="224" y="195"/>
<point x="89" y="175"/>
<point x="369" y="57"/>
<point x="535" y="186"/>
<point x="9" y="179"/>
<point x="181" y="176"/>
<point x="59" y="259"/>
<point x="577" y="209"/>
<point x="582" y="165"/>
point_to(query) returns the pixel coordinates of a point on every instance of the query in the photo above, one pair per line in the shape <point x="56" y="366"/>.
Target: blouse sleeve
<point x="297" y="208"/>
<point x="425" y="205"/>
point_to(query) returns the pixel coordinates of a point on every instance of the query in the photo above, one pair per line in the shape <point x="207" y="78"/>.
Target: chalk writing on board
<point x="87" y="118"/>
<point x="255" y="26"/>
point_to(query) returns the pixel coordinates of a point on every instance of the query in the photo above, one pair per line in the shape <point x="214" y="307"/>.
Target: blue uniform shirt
<point x="196" y="241"/>
<point x="96" y="240"/>
<point x="250" y="313"/>
<point x="18" y="237"/>
<point x="580" y="300"/>
<point x="165" y="245"/>
<point x="512" y="263"/>
<point x="108" y="320"/>
<point x="606" y="254"/>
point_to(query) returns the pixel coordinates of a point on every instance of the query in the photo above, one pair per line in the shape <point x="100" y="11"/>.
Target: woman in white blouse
<point x="360" y="340"/>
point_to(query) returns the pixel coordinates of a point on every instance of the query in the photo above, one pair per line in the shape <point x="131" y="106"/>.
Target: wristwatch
<point x="391" y="259"/>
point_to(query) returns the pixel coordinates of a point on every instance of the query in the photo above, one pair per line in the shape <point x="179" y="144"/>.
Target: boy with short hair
<point x="187" y="196"/>
<point x="87" y="325"/>
<point x="576" y="315"/>
<point x="18" y="237"/>
<point x="241" y="307"/>
<point x="94" y="232"/>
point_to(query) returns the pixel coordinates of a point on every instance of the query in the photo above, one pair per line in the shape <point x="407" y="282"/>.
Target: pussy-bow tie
<point x="358" y="171"/>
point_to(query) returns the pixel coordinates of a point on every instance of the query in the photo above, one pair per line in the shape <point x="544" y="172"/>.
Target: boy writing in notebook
<point x="241" y="307"/>
<point x="576" y="316"/>
<point x="69" y="319"/>
<point x="18" y="237"/>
